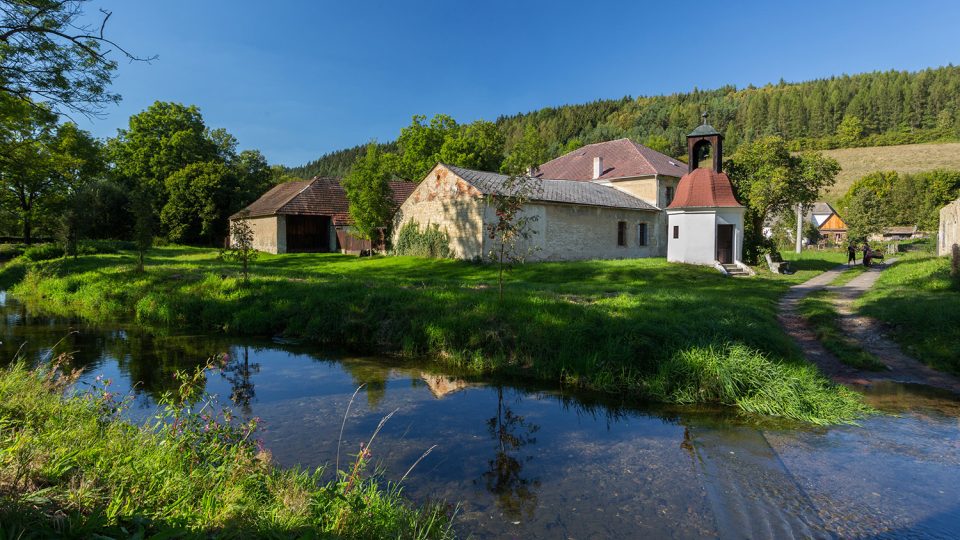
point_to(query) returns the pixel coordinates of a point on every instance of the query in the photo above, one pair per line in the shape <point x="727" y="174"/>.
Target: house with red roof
<point x="308" y="216"/>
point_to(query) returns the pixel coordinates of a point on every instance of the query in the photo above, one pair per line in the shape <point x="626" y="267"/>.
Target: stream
<point x="545" y="462"/>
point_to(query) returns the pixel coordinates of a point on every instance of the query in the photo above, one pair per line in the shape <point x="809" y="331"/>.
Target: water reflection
<point x="542" y="462"/>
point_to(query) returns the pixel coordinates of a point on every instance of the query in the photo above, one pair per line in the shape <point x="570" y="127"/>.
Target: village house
<point x="831" y="226"/>
<point x="949" y="228"/>
<point x="574" y="219"/>
<point x="308" y="216"/>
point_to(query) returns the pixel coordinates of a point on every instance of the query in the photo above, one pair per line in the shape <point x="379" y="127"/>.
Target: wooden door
<point x="725" y="244"/>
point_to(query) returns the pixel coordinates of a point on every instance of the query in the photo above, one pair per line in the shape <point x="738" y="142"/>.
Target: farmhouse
<point x="831" y="226"/>
<point x="307" y="216"/>
<point x="949" y="228"/>
<point x="573" y="219"/>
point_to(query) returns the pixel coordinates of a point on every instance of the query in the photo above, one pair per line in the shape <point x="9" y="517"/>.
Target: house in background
<point x="308" y="216"/>
<point x="705" y="220"/>
<point x="831" y="226"/>
<point x="949" y="232"/>
<point x="893" y="234"/>
<point x="574" y="219"/>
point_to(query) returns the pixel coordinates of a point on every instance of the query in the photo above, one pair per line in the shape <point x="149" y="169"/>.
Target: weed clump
<point x="739" y="376"/>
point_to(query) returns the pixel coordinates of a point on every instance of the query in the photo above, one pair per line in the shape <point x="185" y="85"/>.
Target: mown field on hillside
<point x="908" y="158"/>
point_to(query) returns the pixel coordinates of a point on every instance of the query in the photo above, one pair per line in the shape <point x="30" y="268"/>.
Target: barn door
<point x="725" y="244"/>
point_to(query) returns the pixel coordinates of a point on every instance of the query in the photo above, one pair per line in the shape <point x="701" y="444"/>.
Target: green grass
<point x="603" y="325"/>
<point x="848" y="275"/>
<point x="820" y="312"/>
<point x="917" y="300"/>
<point x="70" y="468"/>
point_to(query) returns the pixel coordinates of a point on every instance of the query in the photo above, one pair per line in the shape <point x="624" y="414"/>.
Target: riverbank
<point x="657" y="330"/>
<point x="72" y="467"/>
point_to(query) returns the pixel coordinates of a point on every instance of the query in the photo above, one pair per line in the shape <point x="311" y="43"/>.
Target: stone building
<point x="949" y="233"/>
<point x="574" y="219"/>
<point x="705" y="219"/>
<point x="308" y="216"/>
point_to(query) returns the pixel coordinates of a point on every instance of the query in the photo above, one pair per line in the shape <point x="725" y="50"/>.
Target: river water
<point x="542" y="462"/>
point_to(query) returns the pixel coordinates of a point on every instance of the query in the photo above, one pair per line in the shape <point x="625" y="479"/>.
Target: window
<point x="676" y="231"/>
<point x="669" y="194"/>
<point x="641" y="234"/>
<point x="622" y="233"/>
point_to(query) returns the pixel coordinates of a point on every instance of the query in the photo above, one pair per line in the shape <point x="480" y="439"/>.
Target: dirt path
<point x="866" y="331"/>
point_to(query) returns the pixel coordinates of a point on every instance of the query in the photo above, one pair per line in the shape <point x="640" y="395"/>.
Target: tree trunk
<point x="26" y="227"/>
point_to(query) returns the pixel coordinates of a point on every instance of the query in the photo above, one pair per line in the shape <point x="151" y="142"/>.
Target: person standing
<point x="851" y="254"/>
<point x="866" y="254"/>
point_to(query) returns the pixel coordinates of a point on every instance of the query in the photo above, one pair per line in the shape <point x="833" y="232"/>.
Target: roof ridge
<point x="297" y="194"/>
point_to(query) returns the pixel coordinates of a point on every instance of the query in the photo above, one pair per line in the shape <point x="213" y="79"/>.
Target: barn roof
<point x="704" y="188"/>
<point x="622" y="158"/>
<point x="321" y="196"/>
<point x="555" y="191"/>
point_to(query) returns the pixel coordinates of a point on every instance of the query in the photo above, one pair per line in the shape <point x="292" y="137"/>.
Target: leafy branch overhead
<point x="49" y="53"/>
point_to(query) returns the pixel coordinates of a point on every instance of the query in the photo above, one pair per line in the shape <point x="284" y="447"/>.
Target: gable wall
<point x="444" y="199"/>
<point x="269" y="234"/>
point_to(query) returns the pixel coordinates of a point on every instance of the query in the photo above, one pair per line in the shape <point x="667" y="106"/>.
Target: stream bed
<point x="544" y="462"/>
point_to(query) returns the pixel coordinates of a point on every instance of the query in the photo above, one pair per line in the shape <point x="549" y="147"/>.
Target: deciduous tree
<point x="368" y="192"/>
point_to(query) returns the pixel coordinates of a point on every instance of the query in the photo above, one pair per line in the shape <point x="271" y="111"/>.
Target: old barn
<point x="308" y="216"/>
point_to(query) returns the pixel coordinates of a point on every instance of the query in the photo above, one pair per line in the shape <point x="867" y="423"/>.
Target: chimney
<point x="597" y="167"/>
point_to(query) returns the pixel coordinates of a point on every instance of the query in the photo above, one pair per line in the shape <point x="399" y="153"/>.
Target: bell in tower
<point x="705" y="136"/>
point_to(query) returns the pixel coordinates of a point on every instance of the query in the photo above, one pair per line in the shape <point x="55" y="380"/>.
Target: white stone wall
<point x="733" y="216"/>
<point x="696" y="241"/>
<point x="567" y="232"/>
<point x="949" y="233"/>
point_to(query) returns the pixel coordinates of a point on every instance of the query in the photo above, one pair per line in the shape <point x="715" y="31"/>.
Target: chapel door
<point x="725" y="244"/>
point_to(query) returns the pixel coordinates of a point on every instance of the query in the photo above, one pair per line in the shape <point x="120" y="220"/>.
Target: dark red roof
<point x="704" y="188"/>
<point x="318" y="197"/>
<point x="621" y="158"/>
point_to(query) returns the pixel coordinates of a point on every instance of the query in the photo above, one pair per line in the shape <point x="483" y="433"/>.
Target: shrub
<point x="430" y="242"/>
<point x="43" y="252"/>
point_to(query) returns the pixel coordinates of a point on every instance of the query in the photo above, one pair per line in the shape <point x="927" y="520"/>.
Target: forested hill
<point x="871" y="109"/>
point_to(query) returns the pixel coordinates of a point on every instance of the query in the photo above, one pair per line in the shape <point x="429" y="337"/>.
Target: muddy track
<point x="867" y="332"/>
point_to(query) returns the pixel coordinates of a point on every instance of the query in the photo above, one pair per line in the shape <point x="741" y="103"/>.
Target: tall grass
<point x="739" y="376"/>
<point x="70" y="467"/>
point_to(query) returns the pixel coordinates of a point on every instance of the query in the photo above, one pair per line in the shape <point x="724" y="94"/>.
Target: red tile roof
<point x="621" y="158"/>
<point x="318" y="197"/>
<point x="704" y="188"/>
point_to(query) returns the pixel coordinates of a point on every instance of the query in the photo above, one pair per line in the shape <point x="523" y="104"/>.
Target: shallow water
<point x="540" y="462"/>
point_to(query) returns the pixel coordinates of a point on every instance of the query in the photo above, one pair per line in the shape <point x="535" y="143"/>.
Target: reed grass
<point x="71" y="467"/>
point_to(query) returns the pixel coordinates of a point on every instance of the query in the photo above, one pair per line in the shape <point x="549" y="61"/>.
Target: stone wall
<point x="454" y="205"/>
<point x="949" y="233"/>
<point x="269" y="234"/>
<point x="567" y="232"/>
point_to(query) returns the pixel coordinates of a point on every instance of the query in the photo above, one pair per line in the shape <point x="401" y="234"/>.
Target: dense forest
<point x="871" y="109"/>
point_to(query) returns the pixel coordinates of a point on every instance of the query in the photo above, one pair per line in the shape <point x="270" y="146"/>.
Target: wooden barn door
<point x="725" y="244"/>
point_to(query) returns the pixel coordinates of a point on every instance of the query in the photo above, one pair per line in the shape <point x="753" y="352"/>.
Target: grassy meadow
<point x="920" y="304"/>
<point x="908" y="158"/>
<point x="612" y="326"/>
<point x="70" y="467"/>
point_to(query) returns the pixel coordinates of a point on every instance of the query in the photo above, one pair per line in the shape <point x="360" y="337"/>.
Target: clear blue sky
<point x="296" y="79"/>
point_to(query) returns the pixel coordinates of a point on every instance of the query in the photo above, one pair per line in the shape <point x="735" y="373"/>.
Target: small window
<point x="641" y="234"/>
<point x="669" y="194"/>
<point x="676" y="231"/>
<point x="622" y="233"/>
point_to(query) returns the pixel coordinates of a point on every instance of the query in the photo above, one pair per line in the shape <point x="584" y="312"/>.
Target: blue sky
<point x="296" y="79"/>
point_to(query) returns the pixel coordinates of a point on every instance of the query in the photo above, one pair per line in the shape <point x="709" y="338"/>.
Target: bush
<point x="11" y="251"/>
<point x="43" y="252"/>
<point x="430" y="242"/>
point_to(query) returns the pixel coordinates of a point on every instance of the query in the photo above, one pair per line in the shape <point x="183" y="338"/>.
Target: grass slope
<point x="604" y="325"/>
<point x="70" y="468"/>
<point x="908" y="158"/>
<point x="918" y="301"/>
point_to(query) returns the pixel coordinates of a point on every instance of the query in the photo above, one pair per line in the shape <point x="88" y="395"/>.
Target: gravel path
<point x="867" y="332"/>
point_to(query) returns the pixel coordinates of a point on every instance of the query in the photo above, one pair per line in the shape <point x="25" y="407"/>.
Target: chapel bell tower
<point x="704" y="135"/>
